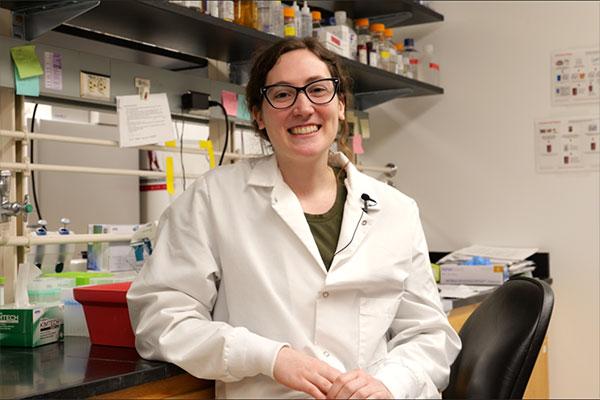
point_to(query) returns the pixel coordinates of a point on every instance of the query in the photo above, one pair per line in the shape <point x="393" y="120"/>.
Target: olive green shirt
<point x="326" y="227"/>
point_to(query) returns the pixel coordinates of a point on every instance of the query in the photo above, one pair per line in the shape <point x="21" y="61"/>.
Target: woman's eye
<point x="318" y="90"/>
<point x="281" y="95"/>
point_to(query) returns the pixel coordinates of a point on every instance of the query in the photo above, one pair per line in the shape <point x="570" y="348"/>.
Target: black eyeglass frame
<point x="336" y="83"/>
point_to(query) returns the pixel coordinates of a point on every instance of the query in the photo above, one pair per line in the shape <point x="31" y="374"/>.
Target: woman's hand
<point x="302" y="372"/>
<point x="357" y="384"/>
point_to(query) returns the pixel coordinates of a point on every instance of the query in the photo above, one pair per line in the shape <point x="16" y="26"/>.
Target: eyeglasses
<point x="281" y="96"/>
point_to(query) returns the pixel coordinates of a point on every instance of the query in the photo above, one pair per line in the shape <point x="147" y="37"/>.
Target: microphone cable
<point x="216" y="103"/>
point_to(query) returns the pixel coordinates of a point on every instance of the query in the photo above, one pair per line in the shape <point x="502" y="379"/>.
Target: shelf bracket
<point x="394" y="19"/>
<point x="370" y="99"/>
<point x="31" y="19"/>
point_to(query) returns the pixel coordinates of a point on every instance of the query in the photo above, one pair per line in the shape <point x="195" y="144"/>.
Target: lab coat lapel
<point x="285" y="204"/>
<point x="356" y="223"/>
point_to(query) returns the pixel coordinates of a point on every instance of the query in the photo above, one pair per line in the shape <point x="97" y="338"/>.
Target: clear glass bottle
<point x="297" y="18"/>
<point x="411" y="58"/>
<point x="376" y="44"/>
<point x="246" y="13"/>
<point x="430" y="67"/>
<point x="364" y="37"/>
<point x="400" y="66"/>
<point x="316" y="22"/>
<point x="289" y="22"/>
<point x="391" y="48"/>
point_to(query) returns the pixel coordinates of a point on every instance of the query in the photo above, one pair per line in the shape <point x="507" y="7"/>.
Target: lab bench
<point x="75" y="368"/>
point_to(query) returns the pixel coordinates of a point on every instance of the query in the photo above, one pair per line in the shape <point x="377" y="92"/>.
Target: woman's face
<point x="304" y="130"/>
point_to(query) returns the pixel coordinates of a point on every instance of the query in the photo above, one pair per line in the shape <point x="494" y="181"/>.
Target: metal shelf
<point x="158" y="27"/>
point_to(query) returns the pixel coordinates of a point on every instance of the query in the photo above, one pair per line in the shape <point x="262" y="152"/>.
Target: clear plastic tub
<point x="74" y="318"/>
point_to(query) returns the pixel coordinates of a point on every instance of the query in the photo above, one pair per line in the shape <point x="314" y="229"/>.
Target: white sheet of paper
<point x="504" y="253"/>
<point x="144" y="122"/>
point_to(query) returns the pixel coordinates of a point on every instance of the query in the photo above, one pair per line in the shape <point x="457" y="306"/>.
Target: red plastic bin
<point x="106" y="313"/>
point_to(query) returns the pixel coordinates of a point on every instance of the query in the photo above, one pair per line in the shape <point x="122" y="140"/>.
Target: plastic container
<point x="306" y="21"/>
<point x="264" y="16"/>
<point x="289" y="22"/>
<point x="400" y="65"/>
<point x="74" y="318"/>
<point x="106" y="313"/>
<point x="226" y="10"/>
<point x="80" y="278"/>
<point x="47" y="289"/>
<point x="364" y="38"/>
<point x="277" y="17"/>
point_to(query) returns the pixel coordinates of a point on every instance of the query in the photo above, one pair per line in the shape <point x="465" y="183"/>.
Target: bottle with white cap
<point x="306" y="21"/>
<point x="430" y="67"/>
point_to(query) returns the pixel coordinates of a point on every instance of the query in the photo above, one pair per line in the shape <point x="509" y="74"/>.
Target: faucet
<point x="8" y="208"/>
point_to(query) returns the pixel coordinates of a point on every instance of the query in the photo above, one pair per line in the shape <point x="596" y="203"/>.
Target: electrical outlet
<point x="94" y="86"/>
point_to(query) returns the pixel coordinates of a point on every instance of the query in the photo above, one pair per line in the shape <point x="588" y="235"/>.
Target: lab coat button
<point x="325" y="294"/>
<point x="326" y="353"/>
<point x="364" y="222"/>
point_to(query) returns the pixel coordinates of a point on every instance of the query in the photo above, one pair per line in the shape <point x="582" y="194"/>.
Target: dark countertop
<point x="75" y="369"/>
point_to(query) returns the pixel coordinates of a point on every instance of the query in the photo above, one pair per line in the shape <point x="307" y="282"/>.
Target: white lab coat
<point x="236" y="275"/>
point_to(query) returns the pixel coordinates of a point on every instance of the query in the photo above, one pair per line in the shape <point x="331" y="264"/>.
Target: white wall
<point x="467" y="157"/>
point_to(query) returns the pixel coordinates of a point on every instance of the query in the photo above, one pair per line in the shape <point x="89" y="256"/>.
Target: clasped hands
<point x="318" y="379"/>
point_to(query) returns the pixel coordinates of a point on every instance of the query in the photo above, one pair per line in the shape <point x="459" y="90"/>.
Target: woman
<point x="295" y="274"/>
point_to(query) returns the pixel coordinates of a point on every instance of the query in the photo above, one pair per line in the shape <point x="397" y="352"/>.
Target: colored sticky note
<point x="26" y="61"/>
<point x="357" y="145"/>
<point x="208" y="146"/>
<point x="170" y="176"/>
<point x="28" y="86"/>
<point x="365" y="130"/>
<point x="230" y="102"/>
<point x="242" y="108"/>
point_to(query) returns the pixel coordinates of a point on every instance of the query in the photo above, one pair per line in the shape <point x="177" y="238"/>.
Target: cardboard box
<point x="114" y="256"/>
<point x="31" y="326"/>
<point x="474" y="274"/>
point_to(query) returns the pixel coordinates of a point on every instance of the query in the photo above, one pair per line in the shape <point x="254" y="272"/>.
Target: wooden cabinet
<point x="538" y="383"/>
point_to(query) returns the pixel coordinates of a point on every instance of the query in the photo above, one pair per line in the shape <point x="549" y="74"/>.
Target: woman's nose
<point x="303" y="105"/>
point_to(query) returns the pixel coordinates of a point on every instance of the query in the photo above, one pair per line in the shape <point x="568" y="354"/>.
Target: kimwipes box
<point x="31" y="326"/>
<point x="493" y="274"/>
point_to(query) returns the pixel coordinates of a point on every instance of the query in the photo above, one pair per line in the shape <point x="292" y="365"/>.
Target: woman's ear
<point x="342" y="110"/>
<point x="257" y="114"/>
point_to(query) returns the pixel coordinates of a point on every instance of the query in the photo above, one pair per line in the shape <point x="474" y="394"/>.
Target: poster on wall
<point x="575" y="76"/>
<point x="567" y="144"/>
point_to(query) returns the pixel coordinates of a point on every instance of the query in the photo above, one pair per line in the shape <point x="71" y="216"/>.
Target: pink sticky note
<point x="357" y="147"/>
<point x="229" y="100"/>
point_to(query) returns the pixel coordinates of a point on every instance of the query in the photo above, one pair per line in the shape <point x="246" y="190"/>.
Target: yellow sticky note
<point x="170" y="176"/>
<point x="26" y="61"/>
<point x="208" y="146"/>
<point x="171" y="143"/>
<point x="365" y="129"/>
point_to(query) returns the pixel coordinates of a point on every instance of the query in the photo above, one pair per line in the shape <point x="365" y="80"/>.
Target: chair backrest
<point x="501" y="341"/>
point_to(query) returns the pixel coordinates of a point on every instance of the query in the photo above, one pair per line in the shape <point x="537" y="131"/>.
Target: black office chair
<point x="501" y="341"/>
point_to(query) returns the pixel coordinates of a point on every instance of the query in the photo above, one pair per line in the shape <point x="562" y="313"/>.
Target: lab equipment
<point x="430" y="67"/>
<point x="289" y="22"/>
<point x="51" y="257"/>
<point x="364" y="37"/>
<point x="377" y="43"/>
<point x="10" y="208"/>
<point x="142" y="241"/>
<point x="306" y="21"/>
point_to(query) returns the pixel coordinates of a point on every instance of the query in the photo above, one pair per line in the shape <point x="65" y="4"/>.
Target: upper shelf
<point x="182" y="33"/>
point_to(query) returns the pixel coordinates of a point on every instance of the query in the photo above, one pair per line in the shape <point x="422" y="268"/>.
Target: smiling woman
<point x="283" y="277"/>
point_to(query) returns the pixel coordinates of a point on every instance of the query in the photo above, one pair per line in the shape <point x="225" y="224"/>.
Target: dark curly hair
<point x="265" y="59"/>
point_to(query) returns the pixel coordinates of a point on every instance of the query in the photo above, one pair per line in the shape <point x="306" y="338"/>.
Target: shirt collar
<point x="264" y="172"/>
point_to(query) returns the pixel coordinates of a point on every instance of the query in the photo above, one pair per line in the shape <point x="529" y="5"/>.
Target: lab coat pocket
<point x="376" y="316"/>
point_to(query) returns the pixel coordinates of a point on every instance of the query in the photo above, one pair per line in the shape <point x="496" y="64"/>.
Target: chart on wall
<point x="567" y="144"/>
<point x="575" y="76"/>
